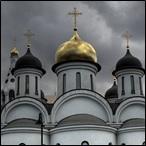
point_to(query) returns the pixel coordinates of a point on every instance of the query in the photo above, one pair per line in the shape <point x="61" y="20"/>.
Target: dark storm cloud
<point x="101" y="24"/>
<point x="122" y="15"/>
<point x="47" y="20"/>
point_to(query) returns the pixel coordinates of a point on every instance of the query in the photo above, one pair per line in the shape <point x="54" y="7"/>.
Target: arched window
<point x="64" y="83"/>
<point x="22" y="144"/>
<point x="3" y="97"/>
<point x="11" y="95"/>
<point x="27" y="84"/>
<point x="85" y="143"/>
<point x="12" y="80"/>
<point x="132" y="85"/>
<point x="57" y="143"/>
<point x="123" y="86"/>
<point x="36" y="85"/>
<point x="140" y="84"/>
<point x="110" y="143"/>
<point x="123" y="144"/>
<point x="78" y="80"/>
<point x="18" y="85"/>
<point x="91" y="80"/>
<point x="6" y="81"/>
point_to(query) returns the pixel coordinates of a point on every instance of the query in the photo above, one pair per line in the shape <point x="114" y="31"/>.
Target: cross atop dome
<point x="127" y="36"/>
<point x="75" y="14"/>
<point x="28" y="35"/>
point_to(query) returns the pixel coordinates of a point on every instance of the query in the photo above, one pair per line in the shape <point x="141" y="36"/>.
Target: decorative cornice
<point x="83" y="127"/>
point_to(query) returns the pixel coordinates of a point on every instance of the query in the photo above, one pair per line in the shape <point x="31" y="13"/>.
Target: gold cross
<point x="28" y="35"/>
<point x="127" y="36"/>
<point x="75" y="13"/>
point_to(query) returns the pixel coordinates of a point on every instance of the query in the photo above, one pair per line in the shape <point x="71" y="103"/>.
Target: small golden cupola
<point x="75" y="48"/>
<point x="14" y="51"/>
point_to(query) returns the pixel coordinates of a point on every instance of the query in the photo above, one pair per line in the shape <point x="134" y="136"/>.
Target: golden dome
<point x="75" y="49"/>
<point x="14" y="52"/>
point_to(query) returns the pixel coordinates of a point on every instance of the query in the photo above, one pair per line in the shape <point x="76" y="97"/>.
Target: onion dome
<point x="112" y="92"/>
<point x="128" y="61"/>
<point x="75" y="49"/>
<point x="28" y="61"/>
<point x="14" y="52"/>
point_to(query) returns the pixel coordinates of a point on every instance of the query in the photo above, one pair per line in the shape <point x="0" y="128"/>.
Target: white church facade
<point x="79" y="115"/>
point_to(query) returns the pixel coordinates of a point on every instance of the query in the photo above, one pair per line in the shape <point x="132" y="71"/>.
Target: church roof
<point x="29" y="61"/>
<point x="81" y="119"/>
<point x="128" y="61"/>
<point x="133" y="123"/>
<point x="75" y="49"/>
<point x="48" y="106"/>
<point x="114" y="107"/>
<point x="112" y="92"/>
<point x="23" y="123"/>
<point x="14" y="52"/>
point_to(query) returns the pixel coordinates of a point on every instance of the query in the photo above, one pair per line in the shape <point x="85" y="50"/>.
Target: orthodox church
<point x="79" y="115"/>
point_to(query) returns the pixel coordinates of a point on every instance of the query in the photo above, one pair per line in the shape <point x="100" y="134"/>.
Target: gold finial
<point x="75" y="13"/>
<point x="127" y="36"/>
<point x="28" y="35"/>
<point x="14" y="51"/>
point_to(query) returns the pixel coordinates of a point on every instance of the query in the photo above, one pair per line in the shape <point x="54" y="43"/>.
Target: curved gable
<point x="130" y="109"/>
<point x="79" y="102"/>
<point x="24" y="107"/>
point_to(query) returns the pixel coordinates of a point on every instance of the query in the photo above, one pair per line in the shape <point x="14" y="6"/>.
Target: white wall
<point x="81" y="102"/>
<point x="130" y="109"/>
<point x="75" y="135"/>
<point x="70" y="69"/>
<point x="127" y="82"/>
<point x="32" y="73"/>
<point x="24" y="108"/>
<point x="136" y="136"/>
<point x="29" y="136"/>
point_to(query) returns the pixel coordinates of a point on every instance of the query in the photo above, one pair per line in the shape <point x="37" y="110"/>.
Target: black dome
<point x="128" y="61"/>
<point x="28" y="60"/>
<point x="112" y="92"/>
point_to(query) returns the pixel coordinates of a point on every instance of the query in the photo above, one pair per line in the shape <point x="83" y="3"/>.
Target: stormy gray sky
<point x="101" y="24"/>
